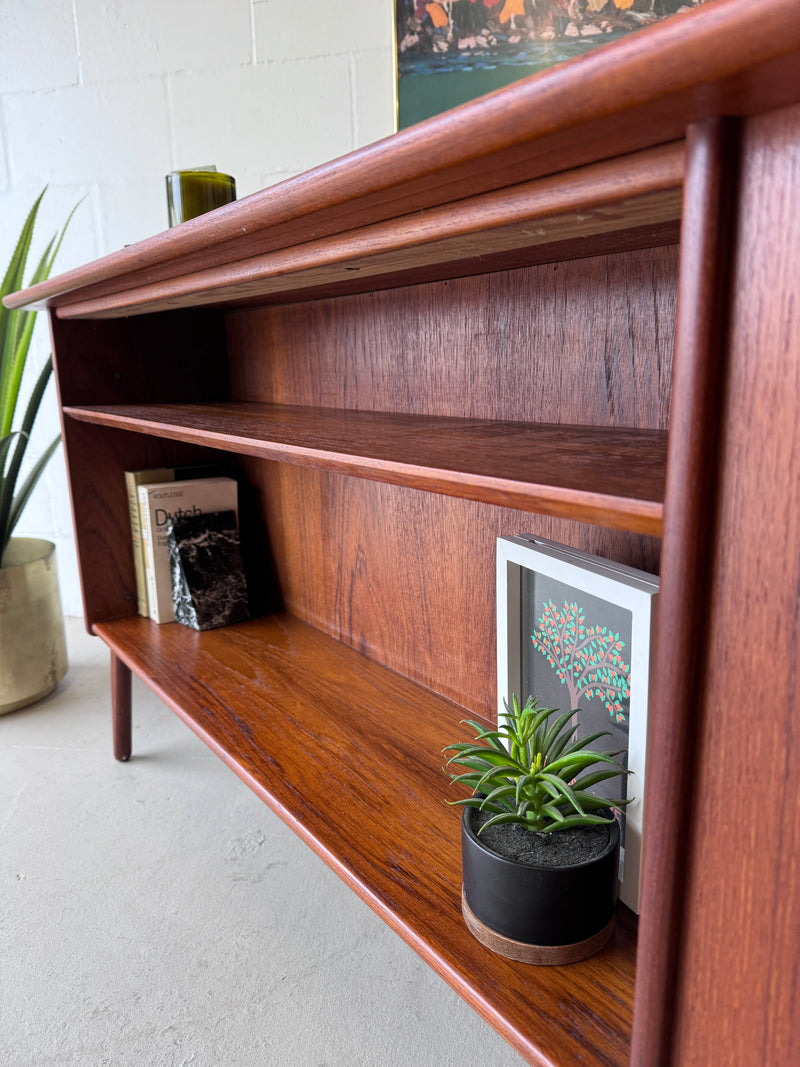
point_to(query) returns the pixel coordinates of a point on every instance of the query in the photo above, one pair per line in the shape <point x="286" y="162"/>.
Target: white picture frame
<point x="542" y="585"/>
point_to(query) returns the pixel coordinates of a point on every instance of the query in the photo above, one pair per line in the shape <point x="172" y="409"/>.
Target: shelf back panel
<point x="411" y="579"/>
<point x="587" y="342"/>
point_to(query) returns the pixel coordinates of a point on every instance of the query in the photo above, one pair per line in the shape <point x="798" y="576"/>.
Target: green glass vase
<point x="194" y="192"/>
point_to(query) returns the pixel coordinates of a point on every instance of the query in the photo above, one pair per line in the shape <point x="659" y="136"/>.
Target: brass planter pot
<point x="33" y="648"/>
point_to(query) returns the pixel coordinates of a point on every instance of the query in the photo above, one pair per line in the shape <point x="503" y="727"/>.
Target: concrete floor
<point x="156" y="914"/>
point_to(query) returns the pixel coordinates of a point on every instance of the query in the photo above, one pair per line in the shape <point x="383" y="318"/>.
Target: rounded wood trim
<point x="541" y="955"/>
<point x="639" y="189"/>
<point x="697" y="408"/>
<point x="626" y="96"/>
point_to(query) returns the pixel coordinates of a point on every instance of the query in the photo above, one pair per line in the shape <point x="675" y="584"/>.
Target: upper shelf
<point x="414" y="206"/>
<point x="531" y="466"/>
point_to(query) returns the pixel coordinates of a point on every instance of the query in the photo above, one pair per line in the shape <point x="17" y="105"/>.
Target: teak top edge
<point x="731" y="57"/>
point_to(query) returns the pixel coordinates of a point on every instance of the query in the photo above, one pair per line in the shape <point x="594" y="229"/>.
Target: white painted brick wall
<point x="131" y="39"/>
<point x="100" y="100"/>
<point x="265" y="106"/>
<point x="87" y="134"/>
<point x="38" y="45"/>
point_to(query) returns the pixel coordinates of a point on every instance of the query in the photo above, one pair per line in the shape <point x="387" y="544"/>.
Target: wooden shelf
<point x="348" y="754"/>
<point x="570" y="176"/>
<point x="534" y="467"/>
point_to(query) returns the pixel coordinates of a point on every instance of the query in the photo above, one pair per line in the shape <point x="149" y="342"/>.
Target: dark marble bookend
<point x="208" y="585"/>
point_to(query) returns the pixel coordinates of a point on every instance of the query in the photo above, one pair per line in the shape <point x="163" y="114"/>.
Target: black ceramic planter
<point x="544" y="915"/>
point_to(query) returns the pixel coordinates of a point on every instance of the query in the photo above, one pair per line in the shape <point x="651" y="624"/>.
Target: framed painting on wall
<point x="451" y="51"/>
<point x="577" y="632"/>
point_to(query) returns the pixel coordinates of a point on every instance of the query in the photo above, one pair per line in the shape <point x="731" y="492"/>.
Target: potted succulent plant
<point x="33" y="655"/>
<point x="540" y="850"/>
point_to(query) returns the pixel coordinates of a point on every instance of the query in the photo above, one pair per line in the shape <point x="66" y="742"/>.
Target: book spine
<point x="136" y="542"/>
<point x="158" y="503"/>
<point x="133" y="479"/>
<point x="148" y="553"/>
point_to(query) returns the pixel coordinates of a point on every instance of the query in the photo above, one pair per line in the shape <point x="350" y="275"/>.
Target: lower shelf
<point x="348" y="754"/>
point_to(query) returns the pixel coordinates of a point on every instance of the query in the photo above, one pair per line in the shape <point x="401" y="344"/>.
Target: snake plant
<point x="534" y="773"/>
<point x="16" y="330"/>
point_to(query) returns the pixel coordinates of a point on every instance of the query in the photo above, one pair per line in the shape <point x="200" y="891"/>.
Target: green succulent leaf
<point x="553" y="812"/>
<point x="469" y="778"/>
<point x="576" y="820"/>
<point x="571" y="764"/>
<point x="488" y="778"/>
<point x="591" y="802"/>
<point x="581" y="744"/>
<point x="499" y="793"/>
<point x="475" y="802"/>
<point x="533" y="771"/>
<point x="21" y="499"/>
<point x="5" y="444"/>
<point x="501" y="820"/>
<point x="564" y="789"/>
<point x="489" y="755"/>
<point x="481" y="733"/>
<point x="590" y="780"/>
<point x="556" y="737"/>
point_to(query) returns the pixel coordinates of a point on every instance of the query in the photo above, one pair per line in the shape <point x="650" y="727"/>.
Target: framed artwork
<point x="450" y="51"/>
<point x="577" y="632"/>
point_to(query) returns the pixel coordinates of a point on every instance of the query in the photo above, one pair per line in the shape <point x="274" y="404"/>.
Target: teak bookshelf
<point x="569" y="308"/>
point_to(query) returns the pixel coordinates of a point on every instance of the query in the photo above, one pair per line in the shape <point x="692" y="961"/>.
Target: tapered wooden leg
<point x="121" y="708"/>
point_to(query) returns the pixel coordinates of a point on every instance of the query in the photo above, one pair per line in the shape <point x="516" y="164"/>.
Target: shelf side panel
<point x="706" y="253"/>
<point x="176" y="356"/>
<point x="742" y="912"/>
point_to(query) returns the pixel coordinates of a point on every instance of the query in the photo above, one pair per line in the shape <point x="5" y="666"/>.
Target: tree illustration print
<point x="587" y="659"/>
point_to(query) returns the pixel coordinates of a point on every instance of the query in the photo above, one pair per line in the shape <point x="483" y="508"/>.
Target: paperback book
<point x="160" y="503"/>
<point x="133" y="479"/>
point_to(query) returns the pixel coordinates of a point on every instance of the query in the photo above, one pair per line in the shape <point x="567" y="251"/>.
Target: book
<point x="158" y="503"/>
<point x="208" y="583"/>
<point x="133" y="479"/>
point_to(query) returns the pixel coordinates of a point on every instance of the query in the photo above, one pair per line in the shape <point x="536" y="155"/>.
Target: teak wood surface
<point x="536" y="287"/>
<point x="349" y="755"/>
<point x="420" y="355"/>
<point x="706" y="251"/>
<point x="542" y="468"/>
<point x="739" y="955"/>
<point x="614" y="197"/>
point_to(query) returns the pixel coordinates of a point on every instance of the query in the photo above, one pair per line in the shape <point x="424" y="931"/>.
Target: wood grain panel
<point x="588" y="342"/>
<point x="412" y="578"/>
<point x="349" y="756"/>
<point x="607" y="475"/>
<point x="178" y="356"/>
<point x="739" y="948"/>
<point x="407" y="578"/>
